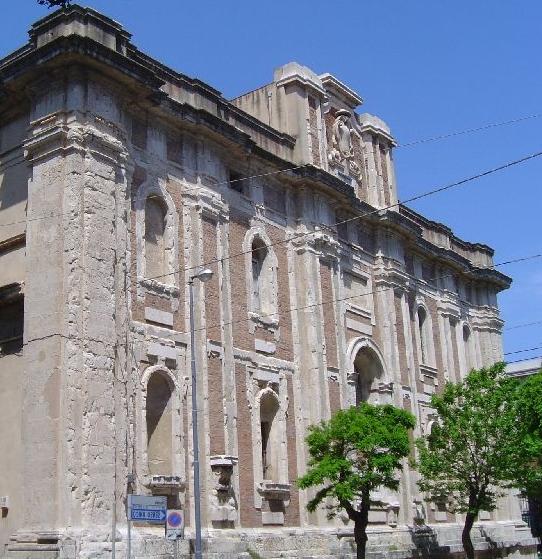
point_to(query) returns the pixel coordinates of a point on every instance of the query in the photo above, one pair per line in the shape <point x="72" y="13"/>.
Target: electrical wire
<point x="523" y="325"/>
<point x="183" y="191"/>
<point x="312" y="305"/>
<point x="402" y="145"/>
<point x="523" y="350"/>
<point x="466" y="131"/>
<point x="294" y="237"/>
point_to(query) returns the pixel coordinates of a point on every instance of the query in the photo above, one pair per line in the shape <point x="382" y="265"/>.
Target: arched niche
<point x="269" y="434"/>
<point x="368" y="373"/>
<point x="156" y="255"/>
<point x="261" y="261"/>
<point x="468" y="349"/>
<point x="157" y="226"/>
<point x="159" y="423"/>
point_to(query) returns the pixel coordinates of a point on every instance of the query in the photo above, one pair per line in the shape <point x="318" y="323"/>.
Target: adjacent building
<point x="120" y="179"/>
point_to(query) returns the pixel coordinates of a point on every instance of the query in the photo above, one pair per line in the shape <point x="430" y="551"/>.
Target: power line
<point x="404" y="145"/>
<point x="318" y="304"/>
<point x="335" y="300"/>
<point x="523" y="359"/>
<point x="523" y="325"/>
<point x="466" y="131"/>
<point x="431" y="192"/>
<point x="184" y="191"/>
<point x="523" y="350"/>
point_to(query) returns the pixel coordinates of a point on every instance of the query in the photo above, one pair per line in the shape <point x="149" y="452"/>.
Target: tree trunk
<point x="465" y="537"/>
<point x="361" y="521"/>
<point x="360" y="536"/>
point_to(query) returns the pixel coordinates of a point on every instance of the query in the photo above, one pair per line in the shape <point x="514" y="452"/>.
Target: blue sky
<point x="425" y="67"/>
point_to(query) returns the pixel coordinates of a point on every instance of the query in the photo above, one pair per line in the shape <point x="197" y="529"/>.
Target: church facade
<point x="121" y="179"/>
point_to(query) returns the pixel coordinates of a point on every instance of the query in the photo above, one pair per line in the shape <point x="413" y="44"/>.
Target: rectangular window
<point x="237" y="183"/>
<point x="11" y="327"/>
<point x="139" y="134"/>
<point x="274" y="198"/>
<point x="174" y="148"/>
<point x="342" y="230"/>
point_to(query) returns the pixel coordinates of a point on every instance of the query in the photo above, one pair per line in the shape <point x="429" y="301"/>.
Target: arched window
<point x="370" y="375"/>
<point x="159" y="425"/>
<point x="270" y="443"/>
<point x="155" y="238"/>
<point x="424" y="335"/>
<point x="467" y="348"/>
<point x="263" y="277"/>
<point x="259" y="254"/>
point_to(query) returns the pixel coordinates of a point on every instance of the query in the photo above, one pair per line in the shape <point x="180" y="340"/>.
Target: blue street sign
<point x="148" y="515"/>
<point x="151" y="509"/>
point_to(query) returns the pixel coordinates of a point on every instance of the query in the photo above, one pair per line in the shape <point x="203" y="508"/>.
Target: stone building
<point x="119" y="179"/>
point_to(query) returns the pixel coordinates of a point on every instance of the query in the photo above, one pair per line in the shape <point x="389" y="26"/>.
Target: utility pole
<point x="203" y="276"/>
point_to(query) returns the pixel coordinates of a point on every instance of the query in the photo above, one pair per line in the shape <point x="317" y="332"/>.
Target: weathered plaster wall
<point x="11" y="444"/>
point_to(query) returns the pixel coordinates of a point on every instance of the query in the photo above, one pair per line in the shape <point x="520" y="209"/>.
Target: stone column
<point x="372" y="171"/>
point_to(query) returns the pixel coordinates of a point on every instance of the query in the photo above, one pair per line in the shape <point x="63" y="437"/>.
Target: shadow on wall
<point x="426" y="544"/>
<point x="14" y="178"/>
<point x="13" y="186"/>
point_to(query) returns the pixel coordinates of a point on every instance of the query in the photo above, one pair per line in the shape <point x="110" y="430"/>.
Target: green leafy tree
<point x="477" y="446"/>
<point x="54" y="3"/>
<point x="355" y="452"/>
<point x="529" y="408"/>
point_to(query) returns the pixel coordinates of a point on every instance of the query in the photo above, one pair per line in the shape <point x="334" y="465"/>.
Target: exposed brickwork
<point x="385" y="175"/>
<point x="377" y="330"/>
<point x="179" y="320"/>
<point x="285" y="348"/>
<point x="264" y="333"/>
<point x="413" y="320"/>
<point x="241" y="337"/>
<point x="216" y="405"/>
<point x="439" y="364"/>
<point x="401" y="343"/>
<point x="363" y="190"/>
<point x="313" y="131"/>
<point x="137" y="307"/>
<point x="212" y="286"/>
<point x="214" y="363"/>
<point x="455" y="350"/>
<point x="250" y="516"/>
<point x="291" y="515"/>
<point x="328" y="314"/>
<point x="334" y="396"/>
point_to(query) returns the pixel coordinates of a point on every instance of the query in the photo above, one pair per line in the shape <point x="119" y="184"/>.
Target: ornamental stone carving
<point x="223" y="503"/>
<point x="342" y="151"/>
